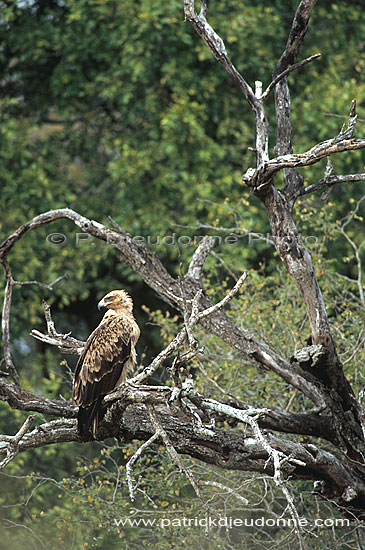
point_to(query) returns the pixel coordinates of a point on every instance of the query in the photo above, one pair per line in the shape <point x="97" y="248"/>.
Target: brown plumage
<point x="106" y="359"/>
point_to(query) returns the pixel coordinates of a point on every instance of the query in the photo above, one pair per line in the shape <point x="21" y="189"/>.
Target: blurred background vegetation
<point x="116" y="108"/>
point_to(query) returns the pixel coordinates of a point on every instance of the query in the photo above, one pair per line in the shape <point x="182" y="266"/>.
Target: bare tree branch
<point x="307" y="423"/>
<point x="332" y="180"/>
<point x="24" y="400"/>
<point x="225" y="489"/>
<point x="356" y="249"/>
<point x="296" y="35"/>
<point x="172" y="451"/>
<point x="42" y="285"/>
<point x="260" y="179"/>
<point x="9" y="444"/>
<point x="292" y="179"/>
<point x="231" y="451"/>
<point x="226" y="299"/>
<point x="5" y="322"/>
<point x="288" y="70"/>
<point x="329" y="372"/>
<point x="330" y="147"/>
<point x="217" y="47"/>
<point x="65" y="343"/>
<point x="190" y="323"/>
<point x="342" y="116"/>
<point x="132" y="460"/>
<point x="146" y="264"/>
<point x="199" y="257"/>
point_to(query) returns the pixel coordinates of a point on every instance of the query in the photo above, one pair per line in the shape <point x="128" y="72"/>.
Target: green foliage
<point x="118" y="109"/>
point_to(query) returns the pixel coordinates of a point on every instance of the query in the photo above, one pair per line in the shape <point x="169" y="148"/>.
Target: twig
<point x="342" y="116"/>
<point x="116" y="225"/>
<point x="226" y="299"/>
<point x="258" y="179"/>
<point x="227" y="489"/>
<point x="10" y="444"/>
<point x="232" y="230"/>
<point x="65" y="343"/>
<point x="133" y="459"/>
<point x="5" y="322"/>
<point x="170" y="348"/>
<point x="330" y="181"/>
<point x="200" y="255"/>
<point x="180" y="337"/>
<point x="172" y="451"/>
<point x="223" y="263"/>
<point x="355" y="248"/>
<point x="288" y="70"/>
<point x="42" y="285"/>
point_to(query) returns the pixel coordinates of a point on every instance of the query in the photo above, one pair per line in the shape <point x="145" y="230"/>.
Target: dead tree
<point x="149" y="413"/>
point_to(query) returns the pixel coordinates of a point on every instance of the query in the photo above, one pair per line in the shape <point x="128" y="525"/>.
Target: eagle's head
<point x="117" y="301"/>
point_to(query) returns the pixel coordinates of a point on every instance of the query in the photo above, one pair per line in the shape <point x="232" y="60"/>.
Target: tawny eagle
<point x="106" y="359"/>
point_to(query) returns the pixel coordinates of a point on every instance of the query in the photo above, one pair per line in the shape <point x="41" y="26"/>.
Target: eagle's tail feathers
<point x="91" y="416"/>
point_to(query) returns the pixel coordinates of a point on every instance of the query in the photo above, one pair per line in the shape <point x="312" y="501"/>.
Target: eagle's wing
<point x="107" y="356"/>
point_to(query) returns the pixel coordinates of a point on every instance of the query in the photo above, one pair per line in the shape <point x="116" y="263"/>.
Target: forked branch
<point x="65" y="343"/>
<point x="218" y="49"/>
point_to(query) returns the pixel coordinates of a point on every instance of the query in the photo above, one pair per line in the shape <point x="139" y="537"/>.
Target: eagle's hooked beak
<point x="101" y="304"/>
